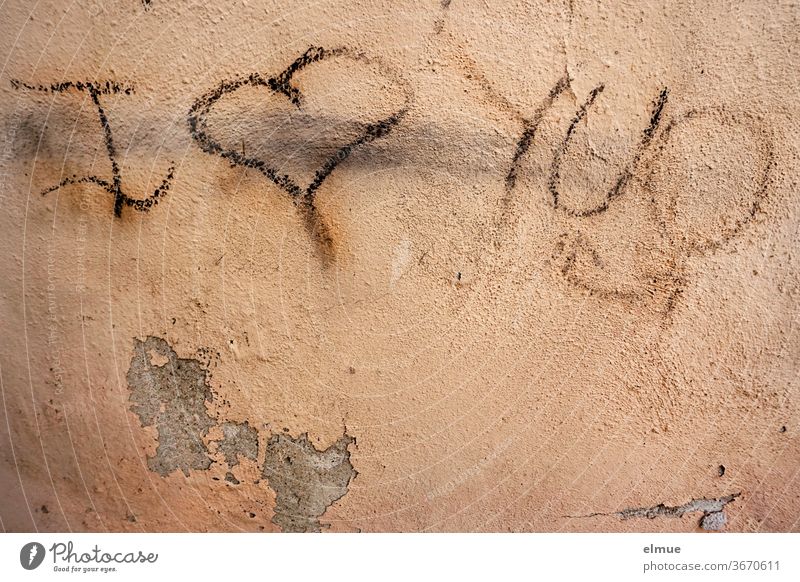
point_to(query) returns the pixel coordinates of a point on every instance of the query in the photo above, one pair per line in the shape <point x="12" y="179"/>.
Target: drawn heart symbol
<point x="303" y="197"/>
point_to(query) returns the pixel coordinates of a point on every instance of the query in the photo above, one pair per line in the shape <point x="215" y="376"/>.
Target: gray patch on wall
<point x="306" y="481"/>
<point x="171" y="397"/>
<point x="713" y="510"/>
<point x="238" y="438"/>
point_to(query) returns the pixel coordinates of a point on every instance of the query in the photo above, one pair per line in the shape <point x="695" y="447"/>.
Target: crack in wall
<point x="713" y="511"/>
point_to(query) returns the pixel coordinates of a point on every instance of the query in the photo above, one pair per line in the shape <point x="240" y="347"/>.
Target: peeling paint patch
<point x="238" y="438"/>
<point x="713" y="521"/>
<point x="171" y="397"/>
<point x="306" y="481"/>
<point x="713" y="511"/>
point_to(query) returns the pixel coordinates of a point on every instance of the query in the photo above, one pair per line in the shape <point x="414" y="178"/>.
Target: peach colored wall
<point x="399" y="266"/>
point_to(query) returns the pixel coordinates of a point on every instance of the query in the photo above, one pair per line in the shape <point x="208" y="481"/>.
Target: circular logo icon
<point x="31" y="555"/>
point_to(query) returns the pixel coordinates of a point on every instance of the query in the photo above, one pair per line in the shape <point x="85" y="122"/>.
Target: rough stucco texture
<point x="399" y="266"/>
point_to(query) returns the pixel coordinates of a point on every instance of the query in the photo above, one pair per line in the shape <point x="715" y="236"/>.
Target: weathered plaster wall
<point x="399" y="266"/>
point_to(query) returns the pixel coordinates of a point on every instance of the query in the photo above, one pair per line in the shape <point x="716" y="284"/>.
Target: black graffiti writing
<point x="531" y="125"/>
<point x="577" y="253"/>
<point x="303" y="197"/>
<point x="114" y="187"/>
<point x="627" y="172"/>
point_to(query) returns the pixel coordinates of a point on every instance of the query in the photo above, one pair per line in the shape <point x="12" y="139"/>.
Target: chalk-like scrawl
<point x="619" y="186"/>
<point x="303" y="197"/>
<point x="95" y="91"/>
<point x="531" y="125"/>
